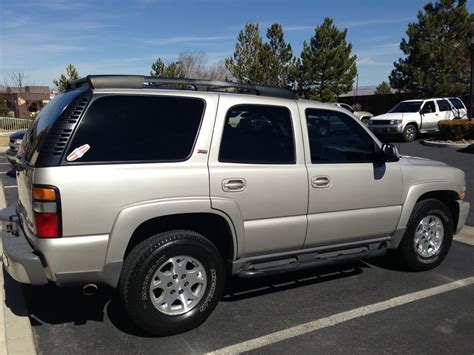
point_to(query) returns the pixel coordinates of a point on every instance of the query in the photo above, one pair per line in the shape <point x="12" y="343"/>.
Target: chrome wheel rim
<point x="429" y="236"/>
<point x="178" y="285"/>
<point x="410" y="133"/>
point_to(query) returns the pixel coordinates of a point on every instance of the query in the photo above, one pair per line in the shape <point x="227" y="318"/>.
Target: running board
<point x="310" y="260"/>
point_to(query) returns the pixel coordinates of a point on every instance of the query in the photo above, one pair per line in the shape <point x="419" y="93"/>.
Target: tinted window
<point x="45" y="120"/>
<point x="256" y="134"/>
<point x="457" y="103"/>
<point x="334" y="137"/>
<point x="407" y="106"/>
<point x="139" y="128"/>
<point x="428" y="107"/>
<point x="443" y="105"/>
<point x="347" y="107"/>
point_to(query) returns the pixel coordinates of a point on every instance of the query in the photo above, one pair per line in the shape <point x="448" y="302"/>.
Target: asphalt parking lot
<point x="342" y="309"/>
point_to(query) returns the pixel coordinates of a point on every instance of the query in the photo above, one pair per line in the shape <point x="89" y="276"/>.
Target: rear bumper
<point x="11" y="156"/>
<point x="19" y="258"/>
<point x="20" y="261"/>
<point x="463" y="212"/>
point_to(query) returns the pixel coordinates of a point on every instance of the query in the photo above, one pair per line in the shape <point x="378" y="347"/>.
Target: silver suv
<point x="162" y="188"/>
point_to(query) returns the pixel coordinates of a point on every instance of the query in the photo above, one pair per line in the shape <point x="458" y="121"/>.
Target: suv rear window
<point x="40" y="128"/>
<point x="139" y="128"/>
<point x="258" y="134"/>
<point x="457" y="103"/>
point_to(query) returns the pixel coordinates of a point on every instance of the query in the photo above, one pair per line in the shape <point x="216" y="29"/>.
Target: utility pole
<point x="471" y="92"/>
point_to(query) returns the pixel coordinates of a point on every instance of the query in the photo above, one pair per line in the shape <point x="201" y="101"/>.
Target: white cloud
<point x="187" y="40"/>
<point x="373" y="22"/>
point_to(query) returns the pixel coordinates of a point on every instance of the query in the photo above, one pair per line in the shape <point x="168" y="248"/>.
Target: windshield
<point x="407" y="106"/>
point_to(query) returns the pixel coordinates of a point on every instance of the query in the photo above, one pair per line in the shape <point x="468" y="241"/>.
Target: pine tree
<point x="383" y="89"/>
<point x="160" y="70"/>
<point x="3" y="106"/>
<point x="261" y="63"/>
<point x="436" y="52"/>
<point x="281" y="56"/>
<point x="327" y="67"/>
<point x="245" y="65"/>
<point x="71" y="74"/>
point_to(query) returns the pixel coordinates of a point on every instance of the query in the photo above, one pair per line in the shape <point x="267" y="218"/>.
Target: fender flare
<point x="416" y="191"/>
<point x="133" y="216"/>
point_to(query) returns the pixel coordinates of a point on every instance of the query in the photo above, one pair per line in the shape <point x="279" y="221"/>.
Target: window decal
<point x="78" y="152"/>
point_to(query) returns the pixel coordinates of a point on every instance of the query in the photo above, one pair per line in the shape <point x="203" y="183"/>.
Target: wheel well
<point x="448" y="198"/>
<point x="413" y="124"/>
<point x="211" y="226"/>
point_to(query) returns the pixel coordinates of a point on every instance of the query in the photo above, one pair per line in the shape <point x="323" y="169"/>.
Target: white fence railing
<point x="9" y="125"/>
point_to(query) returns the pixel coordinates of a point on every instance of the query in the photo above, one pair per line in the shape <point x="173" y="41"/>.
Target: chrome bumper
<point x="385" y="129"/>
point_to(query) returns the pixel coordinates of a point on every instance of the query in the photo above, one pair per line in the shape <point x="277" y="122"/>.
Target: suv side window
<point x="443" y="105"/>
<point x="429" y="107"/>
<point x="334" y="137"/>
<point x="125" y="128"/>
<point x="258" y="134"/>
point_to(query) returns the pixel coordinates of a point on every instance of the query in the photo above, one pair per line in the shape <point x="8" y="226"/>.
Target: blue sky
<point x="41" y="37"/>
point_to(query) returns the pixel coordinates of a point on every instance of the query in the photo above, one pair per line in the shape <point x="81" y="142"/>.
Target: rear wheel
<point x="409" y="133"/>
<point x="171" y="282"/>
<point x="428" y="236"/>
<point x="365" y="120"/>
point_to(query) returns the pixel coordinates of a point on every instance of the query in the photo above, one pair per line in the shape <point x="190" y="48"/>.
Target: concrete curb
<point x="16" y="335"/>
<point x="430" y="143"/>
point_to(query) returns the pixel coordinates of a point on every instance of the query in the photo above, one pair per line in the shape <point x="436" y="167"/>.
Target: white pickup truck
<point x="411" y="117"/>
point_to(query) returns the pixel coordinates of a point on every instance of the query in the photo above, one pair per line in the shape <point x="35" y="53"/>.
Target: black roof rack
<point x="140" y="82"/>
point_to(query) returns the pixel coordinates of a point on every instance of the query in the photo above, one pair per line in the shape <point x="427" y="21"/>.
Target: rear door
<point x="257" y="167"/>
<point x="445" y="110"/>
<point x="429" y="116"/>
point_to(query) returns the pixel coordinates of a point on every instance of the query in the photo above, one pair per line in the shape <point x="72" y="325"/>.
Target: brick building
<point x="26" y="101"/>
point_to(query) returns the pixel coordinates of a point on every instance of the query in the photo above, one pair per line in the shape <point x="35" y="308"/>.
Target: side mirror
<point x="390" y="153"/>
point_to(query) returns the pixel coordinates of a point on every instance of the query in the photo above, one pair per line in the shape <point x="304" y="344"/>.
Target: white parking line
<point x="341" y="317"/>
<point x="10" y="186"/>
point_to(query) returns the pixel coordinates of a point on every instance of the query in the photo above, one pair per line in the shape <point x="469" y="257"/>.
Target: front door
<point x="257" y="167"/>
<point x="350" y="196"/>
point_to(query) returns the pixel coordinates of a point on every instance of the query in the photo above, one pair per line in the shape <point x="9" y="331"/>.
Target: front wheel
<point x="409" y="133"/>
<point x="365" y="120"/>
<point x="428" y="236"/>
<point x="171" y="282"/>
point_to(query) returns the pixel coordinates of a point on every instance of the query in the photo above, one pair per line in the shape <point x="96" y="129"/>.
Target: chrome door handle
<point x="320" y="181"/>
<point x="234" y="185"/>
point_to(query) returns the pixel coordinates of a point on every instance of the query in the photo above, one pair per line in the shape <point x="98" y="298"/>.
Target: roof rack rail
<point x="140" y="82"/>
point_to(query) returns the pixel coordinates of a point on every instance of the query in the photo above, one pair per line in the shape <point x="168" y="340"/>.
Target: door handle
<point x="234" y="185"/>
<point x="320" y="181"/>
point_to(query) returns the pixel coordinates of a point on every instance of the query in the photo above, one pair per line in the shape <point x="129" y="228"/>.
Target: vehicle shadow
<point x="469" y="149"/>
<point x="51" y="305"/>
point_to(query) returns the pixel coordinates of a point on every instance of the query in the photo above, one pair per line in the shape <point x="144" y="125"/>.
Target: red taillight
<point x="46" y="210"/>
<point x="47" y="225"/>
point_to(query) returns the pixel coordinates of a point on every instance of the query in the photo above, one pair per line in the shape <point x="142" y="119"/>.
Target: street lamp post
<point x="471" y="96"/>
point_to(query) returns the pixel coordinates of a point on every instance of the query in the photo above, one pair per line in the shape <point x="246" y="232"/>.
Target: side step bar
<point x="310" y="260"/>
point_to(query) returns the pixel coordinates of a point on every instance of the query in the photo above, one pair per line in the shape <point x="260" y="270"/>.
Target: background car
<point x="15" y="141"/>
<point x="364" y="116"/>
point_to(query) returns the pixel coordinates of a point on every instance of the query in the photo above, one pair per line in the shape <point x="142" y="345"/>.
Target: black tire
<point x="409" y="133"/>
<point x="406" y="251"/>
<point x="142" y="263"/>
<point x="365" y="120"/>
